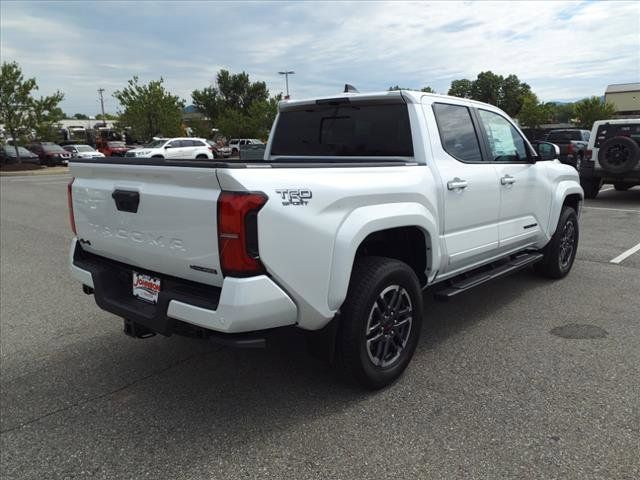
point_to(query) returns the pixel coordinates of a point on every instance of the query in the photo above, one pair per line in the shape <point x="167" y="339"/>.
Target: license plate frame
<point x="145" y="287"/>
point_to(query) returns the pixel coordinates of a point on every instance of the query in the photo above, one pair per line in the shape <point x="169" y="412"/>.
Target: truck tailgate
<point x="160" y="218"/>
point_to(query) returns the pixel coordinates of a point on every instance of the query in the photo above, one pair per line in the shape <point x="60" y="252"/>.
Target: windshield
<point x="156" y="144"/>
<point x="84" y="148"/>
<point x="53" y="148"/>
<point x="345" y="130"/>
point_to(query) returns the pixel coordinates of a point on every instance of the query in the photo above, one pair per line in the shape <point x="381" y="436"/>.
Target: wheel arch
<point x="374" y="230"/>
<point x="567" y="193"/>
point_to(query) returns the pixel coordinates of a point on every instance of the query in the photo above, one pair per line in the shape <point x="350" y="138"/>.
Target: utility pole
<point x="286" y="74"/>
<point x="100" y="92"/>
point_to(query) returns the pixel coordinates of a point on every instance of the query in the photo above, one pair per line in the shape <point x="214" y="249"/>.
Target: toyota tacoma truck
<point x="361" y="202"/>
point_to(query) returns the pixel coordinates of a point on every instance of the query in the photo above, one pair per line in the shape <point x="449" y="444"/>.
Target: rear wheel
<point x="157" y="156"/>
<point x="560" y="252"/>
<point x="591" y="187"/>
<point x="380" y="321"/>
<point x="621" y="187"/>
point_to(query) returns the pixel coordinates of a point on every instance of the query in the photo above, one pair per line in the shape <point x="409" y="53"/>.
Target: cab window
<point x="504" y="141"/>
<point x="457" y="133"/>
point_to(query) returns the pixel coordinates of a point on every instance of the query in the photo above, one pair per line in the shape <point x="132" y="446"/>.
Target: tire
<point x="621" y="187"/>
<point x="157" y="156"/>
<point x="591" y="187"/>
<point x="201" y="157"/>
<point x="619" y="155"/>
<point x="560" y="252"/>
<point x="377" y="282"/>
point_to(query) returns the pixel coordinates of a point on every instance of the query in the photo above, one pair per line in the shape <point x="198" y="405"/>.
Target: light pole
<point x="100" y="92"/>
<point x="286" y="74"/>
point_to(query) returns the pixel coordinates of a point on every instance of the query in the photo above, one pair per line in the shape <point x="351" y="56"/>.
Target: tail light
<point x="238" y="233"/>
<point x="570" y="148"/>
<point x="588" y="154"/>
<point x="72" y="219"/>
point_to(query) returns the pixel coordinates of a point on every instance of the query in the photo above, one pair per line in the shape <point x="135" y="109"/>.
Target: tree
<point x="107" y="116"/>
<point x="19" y="111"/>
<point x="461" y="88"/>
<point x="533" y="113"/>
<point x="47" y="114"/>
<point x="80" y="116"/>
<point x="507" y="93"/>
<point x="423" y="89"/>
<point x="237" y="106"/>
<point x="149" y="109"/>
<point x="592" y="109"/>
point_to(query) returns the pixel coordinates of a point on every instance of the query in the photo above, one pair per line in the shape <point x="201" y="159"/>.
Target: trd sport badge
<point x="297" y="196"/>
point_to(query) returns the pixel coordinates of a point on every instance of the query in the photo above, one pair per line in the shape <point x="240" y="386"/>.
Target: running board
<point x="485" y="275"/>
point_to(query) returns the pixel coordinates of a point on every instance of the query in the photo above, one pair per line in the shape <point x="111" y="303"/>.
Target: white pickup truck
<point x="361" y="202"/>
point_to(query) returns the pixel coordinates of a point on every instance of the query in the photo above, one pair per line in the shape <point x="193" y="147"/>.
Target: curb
<point x="44" y="171"/>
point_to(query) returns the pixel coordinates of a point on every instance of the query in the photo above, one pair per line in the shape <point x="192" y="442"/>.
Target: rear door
<point x="525" y="190"/>
<point x="174" y="149"/>
<point x="470" y="186"/>
<point x="160" y="218"/>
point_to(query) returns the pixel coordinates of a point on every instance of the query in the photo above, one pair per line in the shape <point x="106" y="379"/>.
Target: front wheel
<point x="560" y="252"/>
<point x="380" y="321"/>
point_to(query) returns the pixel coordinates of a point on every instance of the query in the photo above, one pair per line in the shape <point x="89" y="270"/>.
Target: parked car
<point x="83" y="151"/>
<point x="8" y="155"/>
<point x="50" y="153"/>
<point x="572" y="142"/>
<point x="433" y="191"/>
<point x="612" y="156"/>
<point x="113" y="148"/>
<point x="218" y="150"/>
<point x="236" y="143"/>
<point x="178" y="148"/>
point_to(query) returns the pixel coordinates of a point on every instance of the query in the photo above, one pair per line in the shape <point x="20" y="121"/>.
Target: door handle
<point x="456" y="183"/>
<point x="507" y="180"/>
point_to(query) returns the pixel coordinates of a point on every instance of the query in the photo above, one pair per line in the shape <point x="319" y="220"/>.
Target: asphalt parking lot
<point x="491" y="392"/>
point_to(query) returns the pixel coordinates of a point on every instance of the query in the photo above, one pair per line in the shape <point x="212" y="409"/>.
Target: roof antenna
<point x="350" y="89"/>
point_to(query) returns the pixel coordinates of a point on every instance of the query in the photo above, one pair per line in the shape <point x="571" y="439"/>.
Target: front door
<point x="470" y="186"/>
<point x="525" y="198"/>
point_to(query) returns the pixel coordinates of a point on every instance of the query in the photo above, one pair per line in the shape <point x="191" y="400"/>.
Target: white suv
<point x="236" y="143"/>
<point x="178" y="148"/>
<point x="613" y="156"/>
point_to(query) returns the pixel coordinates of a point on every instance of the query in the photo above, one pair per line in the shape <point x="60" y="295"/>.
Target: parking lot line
<point x="626" y="254"/>
<point x="628" y="210"/>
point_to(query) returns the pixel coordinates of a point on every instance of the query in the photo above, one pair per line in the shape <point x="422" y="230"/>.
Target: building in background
<point x="625" y="97"/>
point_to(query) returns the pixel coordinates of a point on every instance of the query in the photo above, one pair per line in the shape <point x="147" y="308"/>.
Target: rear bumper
<point x="590" y="169"/>
<point x="241" y="305"/>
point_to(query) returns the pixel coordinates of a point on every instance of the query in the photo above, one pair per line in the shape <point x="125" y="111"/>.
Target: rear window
<point x="607" y="131"/>
<point x="345" y="130"/>
<point x="554" y="137"/>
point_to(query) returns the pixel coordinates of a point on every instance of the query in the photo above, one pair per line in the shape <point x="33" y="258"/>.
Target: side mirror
<point x="547" y="150"/>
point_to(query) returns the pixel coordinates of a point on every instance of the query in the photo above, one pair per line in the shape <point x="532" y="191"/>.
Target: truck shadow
<point x="230" y="399"/>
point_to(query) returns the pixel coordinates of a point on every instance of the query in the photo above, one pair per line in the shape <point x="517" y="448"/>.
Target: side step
<point x="462" y="284"/>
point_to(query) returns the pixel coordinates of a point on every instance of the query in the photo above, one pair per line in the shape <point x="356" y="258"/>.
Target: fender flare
<point x="369" y="219"/>
<point x="563" y="190"/>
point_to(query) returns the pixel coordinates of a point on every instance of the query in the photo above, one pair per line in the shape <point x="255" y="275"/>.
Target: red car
<point x="113" y="148"/>
<point x="50" y="153"/>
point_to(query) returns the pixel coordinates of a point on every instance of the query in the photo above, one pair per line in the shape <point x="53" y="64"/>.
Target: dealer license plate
<point x="146" y="287"/>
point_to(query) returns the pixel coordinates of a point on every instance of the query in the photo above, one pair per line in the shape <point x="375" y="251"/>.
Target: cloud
<point x="564" y="50"/>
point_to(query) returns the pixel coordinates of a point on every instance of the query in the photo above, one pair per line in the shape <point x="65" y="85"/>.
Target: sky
<point x="563" y="50"/>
